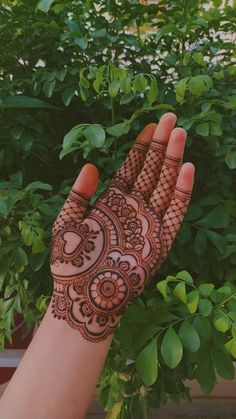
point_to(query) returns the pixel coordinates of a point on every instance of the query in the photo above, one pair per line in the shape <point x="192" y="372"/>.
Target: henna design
<point x="162" y="194"/>
<point x="101" y="262"/>
<point x="73" y="209"/>
<point x="149" y="175"/>
<point x="128" y="172"/>
<point x="174" y="216"/>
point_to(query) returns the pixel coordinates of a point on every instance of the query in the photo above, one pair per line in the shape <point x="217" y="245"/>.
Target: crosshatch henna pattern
<point x="101" y="262"/>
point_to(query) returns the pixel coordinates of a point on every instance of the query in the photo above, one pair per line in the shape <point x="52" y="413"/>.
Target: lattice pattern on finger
<point x="163" y="193"/>
<point x="173" y="217"/>
<point x="128" y="172"/>
<point x="150" y="172"/>
<point x="73" y="210"/>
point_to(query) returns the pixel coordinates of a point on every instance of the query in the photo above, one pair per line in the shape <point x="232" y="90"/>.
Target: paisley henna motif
<point x="101" y="262"/>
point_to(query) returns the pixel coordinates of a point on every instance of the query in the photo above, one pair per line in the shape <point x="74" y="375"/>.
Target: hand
<point x="101" y="261"/>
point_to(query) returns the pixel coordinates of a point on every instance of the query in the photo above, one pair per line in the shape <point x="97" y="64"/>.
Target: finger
<point x="164" y="190"/>
<point x="175" y="213"/>
<point x="147" y="179"/>
<point x="126" y="175"/>
<point x="78" y="198"/>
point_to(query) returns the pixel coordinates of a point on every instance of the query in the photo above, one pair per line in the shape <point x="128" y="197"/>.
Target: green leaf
<point x="223" y="364"/>
<point x="95" y="134"/>
<point x="118" y="129"/>
<point x="171" y="348"/>
<point x="127" y="98"/>
<point x="206" y="289"/>
<point x="20" y="256"/>
<point x="33" y="186"/>
<point x="230" y="159"/>
<point x="74" y="134"/>
<point x="146" y="363"/>
<point x="153" y="91"/>
<point x="38" y="245"/>
<point x="198" y="58"/>
<point x="231" y="347"/>
<point x="49" y="87"/>
<point x="200" y="242"/>
<point x="162" y="286"/>
<point x="114" y="413"/>
<point x="189" y="336"/>
<point x="9" y="102"/>
<point x="44" y="5"/>
<point x="203" y="129"/>
<point x="181" y="89"/>
<point x="139" y="83"/>
<point x="205" y="374"/>
<point x="218" y="241"/>
<point x="180" y="292"/>
<point x="61" y="74"/>
<point x="99" y="33"/>
<point x="218" y="75"/>
<point x="187" y="57"/>
<point x="143" y="335"/>
<point x="199" y="84"/>
<point x="185" y="276"/>
<point x="216" y="129"/>
<point x="81" y="42"/>
<point x="37" y="260"/>
<point x="192" y="301"/>
<point x="203" y="328"/>
<point x="221" y="323"/>
<point x="166" y="30"/>
<point x="217" y="3"/>
<point x="114" y="88"/>
<point x="217" y="218"/>
<point x="125" y="85"/>
<point x="26" y="142"/>
<point x="68" y="95"/>
<point x="3" y="208"/>
<point x="16" y="132"/>
<point x="205" y="307"/>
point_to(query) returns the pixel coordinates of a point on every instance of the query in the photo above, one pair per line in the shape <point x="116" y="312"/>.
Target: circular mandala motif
<point x="108" y="290"/>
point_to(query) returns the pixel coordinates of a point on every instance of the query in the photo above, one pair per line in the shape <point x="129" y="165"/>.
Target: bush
<point x="78" y="81"/>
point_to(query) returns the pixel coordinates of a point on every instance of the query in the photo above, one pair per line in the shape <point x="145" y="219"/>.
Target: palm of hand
<point x="101" y="262"/>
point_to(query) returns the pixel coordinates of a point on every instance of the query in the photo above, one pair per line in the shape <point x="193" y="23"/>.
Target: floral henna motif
<point x="106" y="264"/>
<point x="101" y="262"/>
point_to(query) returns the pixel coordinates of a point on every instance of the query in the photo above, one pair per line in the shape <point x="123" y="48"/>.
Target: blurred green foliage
<point x="78" y="81"/>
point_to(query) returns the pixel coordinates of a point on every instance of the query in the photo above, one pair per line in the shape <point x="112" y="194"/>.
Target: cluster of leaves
<point x="26" y="219"/>
<point x="188" y="332"/>
<point x="79" y="80"/>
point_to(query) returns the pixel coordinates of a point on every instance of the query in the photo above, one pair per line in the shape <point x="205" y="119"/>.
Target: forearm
<point x="57" y="376"/>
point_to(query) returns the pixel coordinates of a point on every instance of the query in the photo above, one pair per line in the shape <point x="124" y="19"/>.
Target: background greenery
<point x="78" y="81"/>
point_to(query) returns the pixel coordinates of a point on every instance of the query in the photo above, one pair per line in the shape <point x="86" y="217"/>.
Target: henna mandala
<point x="101" y="262"/>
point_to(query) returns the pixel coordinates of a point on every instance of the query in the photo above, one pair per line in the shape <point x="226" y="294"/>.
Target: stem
<point x="183" y="37"/>
<point x="138" y="31"/>
<point x="227" y="299"/>
<point x="177" y="321"/>
<point x="112" y="111"/>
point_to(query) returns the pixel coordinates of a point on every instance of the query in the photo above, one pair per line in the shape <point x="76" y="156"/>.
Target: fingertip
<point x="165" y="127"/>
<point x="87" y="181"/>
<point x="147" y="133"/>
<point x="176" y="143"/>
<point x="169" y="115"/>
<point x="179" y="132"/>
<point x="186" y="177"/>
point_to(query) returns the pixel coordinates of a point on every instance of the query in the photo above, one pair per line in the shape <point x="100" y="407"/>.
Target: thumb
<point x="87" y="181"/>
<point x="78" y="198"/>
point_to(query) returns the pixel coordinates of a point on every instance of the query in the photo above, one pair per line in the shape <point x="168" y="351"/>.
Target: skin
<point x="57" y="376"/>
